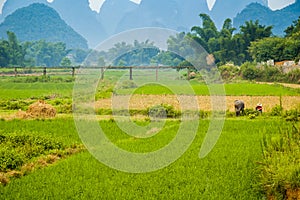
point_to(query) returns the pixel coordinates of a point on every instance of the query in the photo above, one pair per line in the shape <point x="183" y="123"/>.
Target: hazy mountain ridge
<point x="279" y="19"/>
<point x="120" y="15"/>
<point x="180" y="15"/>
<point x="12" y="5"/>
<point x="229" y="9"/>
<point x="112" y="12"/>
<point x="82" y="19"/>
<point x="40" y="22"/>
<point x="74" y="14"/>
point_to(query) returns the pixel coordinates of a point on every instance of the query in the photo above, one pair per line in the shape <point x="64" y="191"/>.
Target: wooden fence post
<point x="188" y="73"/>
<point x="156" y="74"/>
<point x="73" y="71"/>
<point x="130" y="73"/>
<point x="45" y="71"/>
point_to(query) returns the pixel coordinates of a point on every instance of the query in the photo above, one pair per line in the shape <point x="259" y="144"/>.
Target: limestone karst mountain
<point x="40" y="22"/>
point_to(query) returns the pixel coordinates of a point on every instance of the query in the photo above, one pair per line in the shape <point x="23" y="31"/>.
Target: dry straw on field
<point x="39" y="109"/>
<point x="141" y="102"/>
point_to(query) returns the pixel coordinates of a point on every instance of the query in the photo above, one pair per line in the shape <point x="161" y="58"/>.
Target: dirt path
<point x="141" y="102"/>
<point x="290" y="85"/>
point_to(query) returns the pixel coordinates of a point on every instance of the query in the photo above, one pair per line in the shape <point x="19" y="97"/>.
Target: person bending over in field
<point x="259" y="108"/>
<point x="239" y="107"/>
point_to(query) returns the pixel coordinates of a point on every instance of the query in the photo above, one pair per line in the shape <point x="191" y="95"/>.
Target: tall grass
<point x="280" y="167"/>
<point x="228" y="172"/>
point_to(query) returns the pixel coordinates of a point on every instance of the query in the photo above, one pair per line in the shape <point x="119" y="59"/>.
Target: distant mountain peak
<point x="41" y="22"/>
<point x="279" y="19"/>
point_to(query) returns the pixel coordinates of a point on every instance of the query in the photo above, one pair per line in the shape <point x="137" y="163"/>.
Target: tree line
<point x="252" y="42"/>
<point x="37" y="53"/>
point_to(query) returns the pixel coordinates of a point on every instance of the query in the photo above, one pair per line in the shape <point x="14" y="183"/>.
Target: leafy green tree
<point x="208" y="29"/>
<point x="293" y="29"/>
<point x="224" y="45"/>
<point x="79" y="55"/>
<point x="66" y="62"/>
<point x="16" y="51"/>
<point x="46" y="53"/>
<point x="267" y="48"/>
<point x="249" y="32"/>
<point x="203" y="34"/>
<point x="276" y="48"/>
<point x="249" y="71"/>
<point x="4" y="53"/>
<point x="123" y="54"/>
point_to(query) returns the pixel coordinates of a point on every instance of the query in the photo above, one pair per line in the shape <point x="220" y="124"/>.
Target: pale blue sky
<point x="273" y="4"/>
<point x="96" y="4"/>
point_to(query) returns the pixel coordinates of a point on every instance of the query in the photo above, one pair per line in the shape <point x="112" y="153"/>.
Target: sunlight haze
<point x="96" y="4"/>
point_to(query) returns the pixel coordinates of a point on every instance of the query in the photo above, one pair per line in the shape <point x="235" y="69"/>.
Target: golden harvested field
<point x="141" y="102"/>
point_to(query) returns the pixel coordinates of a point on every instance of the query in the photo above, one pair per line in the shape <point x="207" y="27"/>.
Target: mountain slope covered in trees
<point x="10" y="6"/>
<point x="39" y="21"/>
<point x="82" y="19"/>
<point x="76" y="14"/>
<point x="279" y="19"/>
<point x="230" y="8"/>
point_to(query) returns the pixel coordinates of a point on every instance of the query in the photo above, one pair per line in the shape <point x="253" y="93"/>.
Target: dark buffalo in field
<point x="239" y="106"/>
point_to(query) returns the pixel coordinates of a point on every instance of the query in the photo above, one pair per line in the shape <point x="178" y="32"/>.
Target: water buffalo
<point x="239" y="107"/>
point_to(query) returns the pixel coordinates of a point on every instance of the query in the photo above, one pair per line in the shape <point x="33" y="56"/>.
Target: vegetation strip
<point x="22" y="154"/>
<point x="280" y="166"/>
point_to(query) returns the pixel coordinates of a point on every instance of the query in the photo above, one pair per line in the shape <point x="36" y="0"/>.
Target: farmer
<point x="259" y="107"/>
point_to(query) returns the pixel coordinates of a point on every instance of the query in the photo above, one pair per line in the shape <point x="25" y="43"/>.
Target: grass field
<point x="21" y="88"/>
<point x="232" y="89"/>
<point x="228" y="172"/>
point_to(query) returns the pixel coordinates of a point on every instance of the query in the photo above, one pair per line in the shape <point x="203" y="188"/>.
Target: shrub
<point x="14" y="104"/>
<point x="250" y="111"/>
<point x="10" y="160"/>
<point x="228" y="72"/>
<point x="252" y="116"/>
<point x="18" y="149"/>
<point x="280" y="165"/>
<point x="276" y="111"/>
<point x="126" y="85"/>
<point x="292" y="115"/>
<point x="294" y="76"/>
<point x="162" y="111"/>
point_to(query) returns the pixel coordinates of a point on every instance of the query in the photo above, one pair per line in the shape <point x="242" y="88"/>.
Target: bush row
<point x="18" y="149"/>
<point x="61" y="105"/>
<point x="43" y="78"/>
<point x="280" y="169"/>
<point x="250" y="71"/>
